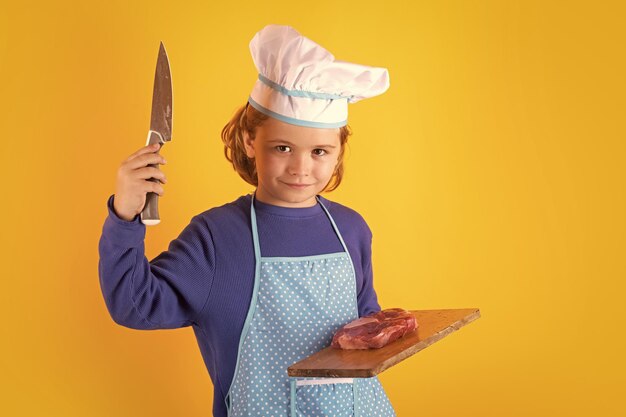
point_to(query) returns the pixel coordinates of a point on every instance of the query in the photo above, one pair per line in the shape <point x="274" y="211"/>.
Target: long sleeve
<point x="367" y="299"/>
<point x="168" y="292"/>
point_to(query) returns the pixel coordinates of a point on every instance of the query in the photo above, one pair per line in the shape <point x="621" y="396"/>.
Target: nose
<point x="299" y="165"/>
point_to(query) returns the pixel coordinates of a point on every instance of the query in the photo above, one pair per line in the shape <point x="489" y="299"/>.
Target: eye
<point x="281" y="146"/>
<point x="320" y="154"/>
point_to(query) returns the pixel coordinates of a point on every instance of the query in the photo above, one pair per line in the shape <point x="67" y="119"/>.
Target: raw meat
<point x="375" y="330"/>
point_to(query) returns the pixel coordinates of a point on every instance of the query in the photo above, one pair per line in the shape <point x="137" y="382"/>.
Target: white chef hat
<point x="303" y="84"/>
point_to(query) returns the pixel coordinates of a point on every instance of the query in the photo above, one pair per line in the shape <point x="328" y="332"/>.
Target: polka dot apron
<point x="297" y="304"/>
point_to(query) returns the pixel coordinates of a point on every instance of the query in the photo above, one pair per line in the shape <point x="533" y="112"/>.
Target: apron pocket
<point x="322" y="397"/>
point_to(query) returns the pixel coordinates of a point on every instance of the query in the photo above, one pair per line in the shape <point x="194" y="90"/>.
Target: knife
<point x="160" y="127"/>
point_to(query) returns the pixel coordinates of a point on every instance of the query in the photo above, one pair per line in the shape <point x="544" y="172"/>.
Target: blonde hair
<point x="248" y="119"/>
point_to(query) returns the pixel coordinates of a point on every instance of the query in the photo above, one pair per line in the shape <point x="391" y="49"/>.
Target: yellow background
<point x="491" y="174"/>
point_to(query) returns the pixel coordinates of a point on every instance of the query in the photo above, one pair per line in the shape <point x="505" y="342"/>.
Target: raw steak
<point x="375" y="330"/>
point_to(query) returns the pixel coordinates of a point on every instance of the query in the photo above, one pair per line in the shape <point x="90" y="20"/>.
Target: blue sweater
<point x="205" y="278"/>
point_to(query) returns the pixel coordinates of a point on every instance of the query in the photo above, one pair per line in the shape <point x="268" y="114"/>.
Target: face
<point x="286" y="156"/>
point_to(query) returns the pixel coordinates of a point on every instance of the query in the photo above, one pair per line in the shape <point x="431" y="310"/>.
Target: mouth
<point x="297" y="186"/>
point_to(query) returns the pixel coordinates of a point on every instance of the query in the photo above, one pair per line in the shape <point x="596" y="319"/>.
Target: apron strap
<point x="255" y="231"/>
<point x="332" y="221"/>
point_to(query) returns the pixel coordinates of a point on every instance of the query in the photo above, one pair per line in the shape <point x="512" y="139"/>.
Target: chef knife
<point x="160" y="127"/>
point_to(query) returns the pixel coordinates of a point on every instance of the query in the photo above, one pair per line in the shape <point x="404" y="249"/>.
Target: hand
<point x="133" y="181"/>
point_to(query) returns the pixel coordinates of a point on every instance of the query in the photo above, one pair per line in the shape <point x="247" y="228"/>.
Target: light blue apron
<point x="297" y="305"/>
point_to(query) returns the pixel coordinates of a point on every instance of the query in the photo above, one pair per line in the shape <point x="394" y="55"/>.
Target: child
<point x="267" y="279"/>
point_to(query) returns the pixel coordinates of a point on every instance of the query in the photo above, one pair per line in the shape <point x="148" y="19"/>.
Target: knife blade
<point x="160" y="127"/>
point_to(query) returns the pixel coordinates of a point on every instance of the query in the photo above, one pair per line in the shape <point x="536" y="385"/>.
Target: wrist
<point x="120" y="214"/>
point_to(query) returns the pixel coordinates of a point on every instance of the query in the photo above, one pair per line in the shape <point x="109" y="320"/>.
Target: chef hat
<point x="303" y="84"/>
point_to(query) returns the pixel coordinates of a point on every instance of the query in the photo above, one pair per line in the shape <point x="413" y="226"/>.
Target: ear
<point x="249" y="145"/>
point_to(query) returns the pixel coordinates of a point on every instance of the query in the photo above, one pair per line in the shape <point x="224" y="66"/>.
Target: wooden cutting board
<point x="433" y="325"/>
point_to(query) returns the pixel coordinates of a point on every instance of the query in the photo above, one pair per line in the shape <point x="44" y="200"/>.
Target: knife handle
<point x="150" y="213"/>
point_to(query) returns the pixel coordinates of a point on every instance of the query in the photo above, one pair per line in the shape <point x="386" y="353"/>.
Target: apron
<point x="298" y="303"/>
